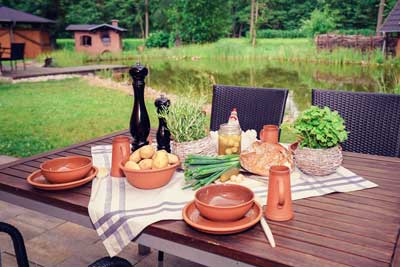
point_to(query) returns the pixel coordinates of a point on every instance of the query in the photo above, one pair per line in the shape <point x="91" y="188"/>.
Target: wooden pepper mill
<point x="140" y="123"/>
<point x="163" y="134"/>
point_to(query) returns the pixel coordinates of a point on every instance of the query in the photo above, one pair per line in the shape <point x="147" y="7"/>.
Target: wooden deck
<point x="359" y="228"/>
<point x="32" y="71"/>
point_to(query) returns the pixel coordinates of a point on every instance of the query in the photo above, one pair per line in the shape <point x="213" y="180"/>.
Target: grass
<point x="294" y="50"/>
<point x="37" y="117"/>
<point x="40" y="116"/>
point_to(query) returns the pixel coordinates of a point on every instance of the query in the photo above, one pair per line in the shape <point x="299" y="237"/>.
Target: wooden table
<point x="343" y="229"/>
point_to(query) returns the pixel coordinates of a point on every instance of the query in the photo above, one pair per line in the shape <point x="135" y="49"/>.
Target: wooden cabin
<point x="97" y="39"/>
<point x="391" y="30"/>
<point x="21" y="27"/>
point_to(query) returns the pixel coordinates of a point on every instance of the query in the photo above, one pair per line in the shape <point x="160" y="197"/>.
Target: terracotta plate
<point x="192" y="216"/>
<point x="36" y="179"/>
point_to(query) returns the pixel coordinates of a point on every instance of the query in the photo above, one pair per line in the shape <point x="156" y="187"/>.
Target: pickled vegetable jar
<point x="229" y="136"/>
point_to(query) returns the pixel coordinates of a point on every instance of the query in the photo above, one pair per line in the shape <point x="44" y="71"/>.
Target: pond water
<point x="196" y="77"/>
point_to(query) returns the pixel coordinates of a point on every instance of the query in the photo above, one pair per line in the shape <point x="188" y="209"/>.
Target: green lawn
<point x="37" y="117"/>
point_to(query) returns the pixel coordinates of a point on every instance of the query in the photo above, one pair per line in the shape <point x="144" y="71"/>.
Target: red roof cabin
<point x="97" y="39"/>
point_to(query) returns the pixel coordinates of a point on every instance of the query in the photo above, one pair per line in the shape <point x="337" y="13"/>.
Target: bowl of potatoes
<point x="149" y="169"/>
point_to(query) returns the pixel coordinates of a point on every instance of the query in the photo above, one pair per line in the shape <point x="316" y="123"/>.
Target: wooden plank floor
<point x="359" y="228"/>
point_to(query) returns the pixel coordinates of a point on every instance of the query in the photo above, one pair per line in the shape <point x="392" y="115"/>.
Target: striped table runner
<point x="119" y="212"/>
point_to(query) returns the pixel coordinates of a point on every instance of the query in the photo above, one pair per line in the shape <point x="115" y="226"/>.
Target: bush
<point x="132" y="44"/>
<point x="365" y="32"/>
<point x="269" y="33"/>
<point x="319" y="22"/>
<point x="66" y="44"/>
<point x="158" y="39"/>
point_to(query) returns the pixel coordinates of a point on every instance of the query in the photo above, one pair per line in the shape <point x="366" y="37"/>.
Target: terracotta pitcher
<point x="269" y="134"/>
<point x="279" y="201"/>
<point x="120" y="152"/>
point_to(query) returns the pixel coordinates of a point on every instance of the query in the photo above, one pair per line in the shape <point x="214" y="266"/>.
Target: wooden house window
<point x="86" y="40"/>
<point x="105" y="38"/>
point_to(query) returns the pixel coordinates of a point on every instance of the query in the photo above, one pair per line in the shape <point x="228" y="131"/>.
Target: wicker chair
<point x="256" y="106"/>
<point x="18" y="242"/>
<point x="372" y="119"/>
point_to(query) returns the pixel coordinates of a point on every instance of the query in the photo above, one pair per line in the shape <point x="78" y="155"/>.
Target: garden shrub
<point x="67" y="44"/>
<point x="365" y="32"/>
<point x="270" y="33"/>
<point x="158" y="39"/>
<point x="319" y="22"/>
<point x="130" y="44"/>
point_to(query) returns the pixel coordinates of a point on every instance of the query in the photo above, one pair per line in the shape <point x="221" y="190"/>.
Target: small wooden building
<point x="391" y="30"/>
<point x="21" y="27"/>
<point x="97" y="38"/>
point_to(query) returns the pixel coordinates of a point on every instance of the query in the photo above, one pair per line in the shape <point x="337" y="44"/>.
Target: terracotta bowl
<point x="149" y="179"/>
<point x="66" y="169"/>
<point x="224" y="202"/>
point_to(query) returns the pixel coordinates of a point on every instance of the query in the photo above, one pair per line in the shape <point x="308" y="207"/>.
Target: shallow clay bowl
<point x="224" y="202"/>
<point x="66" y="169"/>
<point x="149" y="179"/>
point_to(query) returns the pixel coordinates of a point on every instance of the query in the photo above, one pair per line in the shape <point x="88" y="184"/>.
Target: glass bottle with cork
<point x="229" y="136"/>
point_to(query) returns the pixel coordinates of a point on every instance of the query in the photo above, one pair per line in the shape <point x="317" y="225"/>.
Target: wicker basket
<point x="318" y="162"/>
<point x="202" y="146"/>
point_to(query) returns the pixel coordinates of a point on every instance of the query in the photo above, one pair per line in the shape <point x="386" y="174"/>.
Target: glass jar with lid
<point x="229" y="139"/>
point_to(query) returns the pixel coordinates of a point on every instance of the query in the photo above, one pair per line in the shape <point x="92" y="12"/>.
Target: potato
<point x="160" y="161"/>
<point x="146" y="152"/>
<point x="135" y="156"/>
<point x="132" y="165"/>
<point x="145" y="164"/>
<point x="172" y="159"/>
<point x="159" y="151"/>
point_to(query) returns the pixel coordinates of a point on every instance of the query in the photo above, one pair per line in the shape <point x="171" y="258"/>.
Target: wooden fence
<point x="363" y="43"/>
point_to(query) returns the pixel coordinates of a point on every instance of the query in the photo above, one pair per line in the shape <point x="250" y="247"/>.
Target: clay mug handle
<point x="281" y="194"/>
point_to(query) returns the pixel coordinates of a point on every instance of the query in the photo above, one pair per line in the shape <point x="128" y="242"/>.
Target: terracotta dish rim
<point x="215" y="229"/>
<point x="40" y="185"/>
<point x="225" y="207"/>
<point x="65" y="158"/>
<point x="121" y="165"/>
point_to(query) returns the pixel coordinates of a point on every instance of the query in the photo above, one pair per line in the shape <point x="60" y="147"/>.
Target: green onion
<point x="203" y="170"/>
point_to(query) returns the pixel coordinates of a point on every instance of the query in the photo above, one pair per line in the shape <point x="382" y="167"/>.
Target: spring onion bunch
<point x="203" y="170"/>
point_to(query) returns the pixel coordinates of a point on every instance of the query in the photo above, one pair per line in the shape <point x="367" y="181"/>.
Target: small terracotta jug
<point x="279" y="201"/>
<point x="269" y="134"/>
<point x="120" y="153"/>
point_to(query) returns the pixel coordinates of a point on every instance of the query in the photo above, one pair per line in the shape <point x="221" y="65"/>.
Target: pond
<point x="196" y="77"/>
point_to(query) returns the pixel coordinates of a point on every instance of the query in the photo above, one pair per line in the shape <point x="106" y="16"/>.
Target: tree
<point x="146" y="18"/>
<point x="253" y="4"/>
<point x="240" y="17"/>
<point x="319" y="22"/>
<point x="380" y="15"/>
<point x="201" y="20"/>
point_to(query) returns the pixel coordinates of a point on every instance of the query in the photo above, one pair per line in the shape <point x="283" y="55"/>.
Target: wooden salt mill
<point x="140" y="123"/>
<point x="163" y="134"/>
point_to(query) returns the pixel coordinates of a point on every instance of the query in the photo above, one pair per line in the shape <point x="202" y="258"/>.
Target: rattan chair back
<point x="372" y="119"/>
<point x="256" y="106"/>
